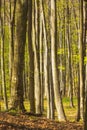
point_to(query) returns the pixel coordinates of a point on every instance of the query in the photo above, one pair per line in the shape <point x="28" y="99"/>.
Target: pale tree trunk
<point x="2" y="23"/>
<point x="31" y="59"/>
<point x="11" y="38"/>
<point x="46" y="71"/>
<point x="78" y="97"/>
<point x="18" y="64"/>
<point x="58" y="100"/>
<point x="81" y="63"/>
<point x="46" y="78"/>
<point x="64" y="75"/>
<point x="69" y="55"/>
<point x="47" y="61"/>
<point x="41" y="52"/>
<point x="36" y="60"/>
<point x="64" y="55"/>
<point x="78" y="87"/>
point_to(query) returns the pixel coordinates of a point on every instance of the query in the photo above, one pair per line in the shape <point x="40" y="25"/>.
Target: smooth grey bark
<point x="78" y="97"/>
<point x="69" y="56"/>
<point x="58" y="100"/>
<point x="41" y="45"/>
<point x="36" y="60"/>
<point x="47" y="60"/>
<point x="46" y="82"/>
<point x="81" y="63"/>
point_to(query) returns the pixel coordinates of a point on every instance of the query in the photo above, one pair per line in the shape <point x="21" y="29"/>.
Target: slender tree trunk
<point x="31" y="59"/>
<point x="47" y="61"/>
<point x="85" y="42"/>
<point x="36" y="60"/>
<point x="58" y="100"/>
<point x="46" y="71"/>
<point x="78" y="87"/>
<point x="69" y="56"/>
<point x="81" y="63"/>
<point x="11" y="37"/>
<point x="2" y="17"/>
<point x="41" y="52"/>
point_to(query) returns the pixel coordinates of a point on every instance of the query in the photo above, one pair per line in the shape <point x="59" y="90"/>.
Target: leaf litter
<point x="24" y="122"/>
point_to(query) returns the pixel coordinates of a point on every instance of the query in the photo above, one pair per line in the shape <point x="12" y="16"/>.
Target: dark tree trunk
<point x="18" y="64"/>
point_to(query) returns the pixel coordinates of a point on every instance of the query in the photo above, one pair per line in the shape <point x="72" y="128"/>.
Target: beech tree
<point x="11" y="37"/>
<point x="58" y="100"/>
<point x="18" y="63"/>
<point x="81" y="63"/>
<point x="31" y="58"/>
<point x="85" y="102"/>
<point x="2" y="40"/>
<point x="43" y="55"/>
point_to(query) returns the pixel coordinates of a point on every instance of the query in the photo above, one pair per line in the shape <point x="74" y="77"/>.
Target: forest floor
<point x="26" y="122"/>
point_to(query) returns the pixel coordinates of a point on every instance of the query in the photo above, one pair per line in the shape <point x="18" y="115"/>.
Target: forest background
<point x="43" y="57"/>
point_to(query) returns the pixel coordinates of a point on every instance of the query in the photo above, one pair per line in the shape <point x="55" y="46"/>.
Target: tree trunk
<point x="18" y="64"/>
<point x="31" y="59"/>
<point x="47" y="61"/>
<point x="58" y="100"/>
<point x="85" y="42"/>
<point x="81" y="63"/>
<point x="36" y="59"/>
<point x="11" y="38"/>
<point x="2" y="22"/>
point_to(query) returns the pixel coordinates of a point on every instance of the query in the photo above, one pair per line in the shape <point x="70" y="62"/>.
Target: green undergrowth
<point x="71" y="112"/>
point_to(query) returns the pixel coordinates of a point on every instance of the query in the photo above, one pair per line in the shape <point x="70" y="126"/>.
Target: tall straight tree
<point x="69" y="54"/>
<point x="36" y="58"/>
<point x="85" y="105"/>
<point x="31" y="58"/>
<point x="78" y="86"/>
<point x="18" y="63"/>
<point x="41" y="51"/>
<point x="47" y="60"/>
<point x="81" y="63"/>
<point x="11" y="37"/>
<point x="2" y="23"/>
<point x="58" y="100"/>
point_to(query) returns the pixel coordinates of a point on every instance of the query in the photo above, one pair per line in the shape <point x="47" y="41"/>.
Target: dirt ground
<point x="25" y="122"/>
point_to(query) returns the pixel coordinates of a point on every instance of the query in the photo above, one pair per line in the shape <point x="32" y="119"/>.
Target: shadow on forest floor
<point x="25" y="122"/>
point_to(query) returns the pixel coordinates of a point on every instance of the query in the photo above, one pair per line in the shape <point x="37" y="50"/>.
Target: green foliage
<point x="61" y="67"/>
<point x="85" y="60"/>
<point x="76" y="58"/>
<point x="66" y="101"/>
<point x="60" y="51"/>
<point x="13" y="112"/>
